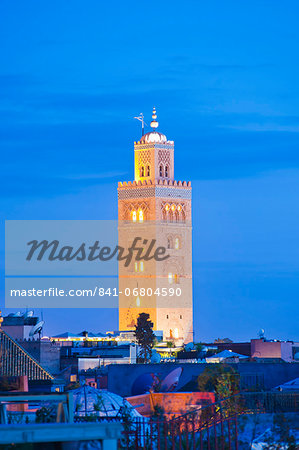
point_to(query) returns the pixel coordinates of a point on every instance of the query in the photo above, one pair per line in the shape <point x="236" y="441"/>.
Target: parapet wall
<point x="126" y="184"/>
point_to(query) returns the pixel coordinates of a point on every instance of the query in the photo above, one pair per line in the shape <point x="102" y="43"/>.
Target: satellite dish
<point x="171" y="381"/>
<point x="37" y="328"/>
<point x="28" y="314"/>
<point x="155" y="358"/>
<point x="261" y="333"/>
<point x="190" y="346"/>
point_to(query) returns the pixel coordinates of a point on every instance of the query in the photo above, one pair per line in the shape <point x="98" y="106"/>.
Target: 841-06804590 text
<point x="96" y="291"/>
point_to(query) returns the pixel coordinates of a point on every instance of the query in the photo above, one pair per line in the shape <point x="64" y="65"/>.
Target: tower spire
<point x="154" y="123"/>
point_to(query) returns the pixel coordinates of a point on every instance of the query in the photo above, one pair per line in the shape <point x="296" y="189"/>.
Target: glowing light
<point x="140" y="215"/>
<point x="170" y="279"/>
<point x="134" y="216"/>
<point x="177" y="243"/>
<point x="136" y="266"/>
<point x="176" y="333"/>
<point x="179" y="208"/>
<point x="137" y="301"/>
<point x="167" y="207"/>
<point x="172" y="207"/>
<point x="141" y="266"/>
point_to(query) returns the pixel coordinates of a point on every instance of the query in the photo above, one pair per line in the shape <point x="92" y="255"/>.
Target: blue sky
<point x="224" y="79"/>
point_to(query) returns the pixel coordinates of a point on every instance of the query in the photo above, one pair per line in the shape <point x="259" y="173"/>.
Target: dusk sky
<point x="224" y="79"/>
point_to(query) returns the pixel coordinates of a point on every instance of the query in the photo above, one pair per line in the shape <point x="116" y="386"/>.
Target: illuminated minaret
<point x="156" y="206"/>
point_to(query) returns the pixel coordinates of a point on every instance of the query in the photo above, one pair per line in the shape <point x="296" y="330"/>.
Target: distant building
<point x="19" y="362"/>
<point x="285" y="350"/>
<point x="16" y="361"/>
<point x="244" y="348"/>
<point x="156" y="207"/>
<point x="84" y="357"/>
<point x="46" y="352"/>
<point x="19" y="326"/>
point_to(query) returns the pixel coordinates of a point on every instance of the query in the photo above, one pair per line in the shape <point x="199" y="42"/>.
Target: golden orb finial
<point x="154" y="123"/>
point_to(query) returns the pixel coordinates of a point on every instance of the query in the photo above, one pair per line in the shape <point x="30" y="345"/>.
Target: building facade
<point x="155" y="207"/>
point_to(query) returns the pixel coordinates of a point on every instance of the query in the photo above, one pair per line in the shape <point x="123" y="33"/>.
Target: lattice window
<point x="174" y="213"/>
<point x="144" y="163"/>
<point x="164" y="157"/>
<point x="135" y="211"/>
<point x="144" y="157"/>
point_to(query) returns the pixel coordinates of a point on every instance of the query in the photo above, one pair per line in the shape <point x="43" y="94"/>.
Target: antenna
<point x="141" y="119"/>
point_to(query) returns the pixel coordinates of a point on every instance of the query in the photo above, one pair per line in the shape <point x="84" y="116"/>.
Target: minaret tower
<point x="155" y="206"/>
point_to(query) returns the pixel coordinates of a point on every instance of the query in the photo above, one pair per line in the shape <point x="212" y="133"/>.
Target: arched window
<point x="166" y="172"/>
<point x="134" y="216"/>
<point x="169" y="242"/>
<point x="161" y="171"/>
<point x="177" y="243"/>
<point x="140" y="215"/>
<point x="142" y="171"/>
<point x="141" y="266"/>
<point x="170" y="277"/>
<point x="148" y="173"/>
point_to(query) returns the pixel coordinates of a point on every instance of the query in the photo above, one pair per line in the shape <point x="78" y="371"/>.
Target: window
<point x="167" y="317"/>
<point x="161" y="171"/>
<point x="140" y="267"/>
<point x="140" y="215"/>
<point x="177" y="243"/>
<point x="134" y="216"/>
<point x="148" y="171"/>
<point x="137" y="301"/>
<point x="169" y="242"/>
<point x="170" y="278"/>
<point x="166" y="171"/>
<point x="181" y="316"/>
<point x="142" y="172"/>
<point x="176" y="333"/>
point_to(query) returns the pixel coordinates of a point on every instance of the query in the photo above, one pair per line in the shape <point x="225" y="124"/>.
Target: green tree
<point x="45" y="414"/>
<point x="144" y="335"/>
<point x="219" y="378"/>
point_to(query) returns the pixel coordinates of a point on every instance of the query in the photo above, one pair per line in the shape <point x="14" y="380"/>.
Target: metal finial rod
<point x="141" y="119"/>
<point x="154" y="123"/>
